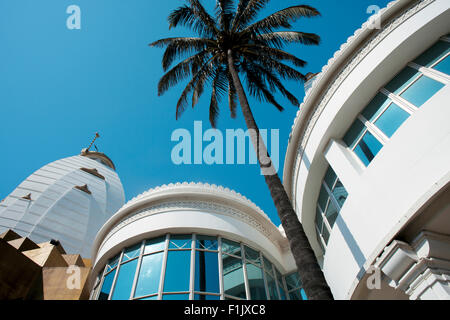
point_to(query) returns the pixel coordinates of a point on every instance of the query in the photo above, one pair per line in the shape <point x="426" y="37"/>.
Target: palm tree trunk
<point x="313" y="280"/>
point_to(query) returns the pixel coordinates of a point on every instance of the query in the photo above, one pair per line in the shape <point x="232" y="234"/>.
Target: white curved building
<point x="66" y="200"/>
<point x="192" y="241"/>
<point x="368" y="161"/>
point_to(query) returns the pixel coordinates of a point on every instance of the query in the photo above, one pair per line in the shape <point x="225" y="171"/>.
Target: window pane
<point x="402" y="80"/>
<point x="267" y="265"/>
<point x="112" y="263"/>
<point x="184" y="296"/>
<point x="295" y="295"/>
<point x="331" y="214"/>
<point x="231" y="247"/>
<point x="131" y="252"/>
<point x="252" y="255"/>
<point x="206" y="242"/>
<point x="150" y="298"/>
<point x="339" y="193"/>
<point x="107" y="284"/>
<point x="319" y="219"/>
<point x="256" y="282"/>
<point x="293" y="281"/>
<point x="375" y="107"/>
<point x="272" y="287"/>
<point x="354" y="133"/>
<point x="233" y="276"/>
<point x="180" y="241"/>
<point x="422" y="90"/>
<point x="391" y="119"/>
<point x="368" y="148"/>
<point x="206" y="297"/>
<point x="124" y="282"/>
<point x="433" y="54"/>
<point x="206" y="272"/>
<point x="325" y="233"/>
<point x="443" y="66"/>
<point x="282" y="292"/>
<point x="149" y="274"/>
<point x="154" y="245"/>
<point x="330" y="178"/>
<point x="177" y="275"/>
<point x="323" y="198"/>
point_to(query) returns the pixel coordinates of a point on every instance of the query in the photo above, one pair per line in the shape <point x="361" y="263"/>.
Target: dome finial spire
<point x="97" y="135"/>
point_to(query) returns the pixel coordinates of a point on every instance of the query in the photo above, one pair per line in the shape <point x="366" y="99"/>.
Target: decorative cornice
<point x="191" y="196"/>
<point x="336" y="80"/>
<point x="262" y="227"/>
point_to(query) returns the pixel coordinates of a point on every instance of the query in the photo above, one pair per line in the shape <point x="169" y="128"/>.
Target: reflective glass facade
<point x="332" y="196"/>
<point x="400" y="98"/>
<point x="195" y="267"/>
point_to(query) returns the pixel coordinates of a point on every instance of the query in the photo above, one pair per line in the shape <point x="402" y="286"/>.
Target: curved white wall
<point x="59" y="211"/>
<point x="192" y="208"/>
<point x="410" y="168"/>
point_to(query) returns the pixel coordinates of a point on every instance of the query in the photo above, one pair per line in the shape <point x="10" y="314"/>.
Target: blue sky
<point x="59" y="86"/>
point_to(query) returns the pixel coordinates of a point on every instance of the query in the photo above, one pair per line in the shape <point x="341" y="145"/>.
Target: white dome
<point x="67" y="200"/>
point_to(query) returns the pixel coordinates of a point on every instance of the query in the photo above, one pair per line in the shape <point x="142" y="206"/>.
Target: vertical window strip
<point x="373" y="129"/>
<point x="192" y="271"/>
<point x="138" y="269"/>
<point x="163" y="267"/>
<point x="111" y="292"/>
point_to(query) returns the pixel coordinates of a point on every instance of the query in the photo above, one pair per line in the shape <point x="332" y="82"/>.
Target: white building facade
<point x="368" y="161"/>
<point x="67" y="200"/>
<point x="192" y="241"/>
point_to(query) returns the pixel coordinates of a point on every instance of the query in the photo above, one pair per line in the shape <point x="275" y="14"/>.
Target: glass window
<point x="443" y="66"/>
<point x="149" y="274"/>
<point x="323" y="198"/>
<point x="150" y="298"/>
<point x="233" y="276"/>
<point x="206" y="272"/>
<point x="339" y="193"/>
<point x="330" y="178"/>
<point x="107" y="284"/>
<point x="354" y="133"/>
<point x="183" y="296"/>
<point x="267" y="265"/>
<point x="124" y="282"/>
<point x="296" y="295"/>
<point x="231" y="247"/>
<point x="433" y="54"/>
<point x="256" y="282"/>
<point x="331" y="213"/>
<point x="154" y="245"/>
<point x="402" y="80"/>
<point x="272" y="287"/>
<point x="131" y="252"/>
<point x="325" y="233"/>
<point x="368" y="148"/>
<point x="293" y="281"/>
<point x="422" y="90"/>
<point x="207" y="243"/>
<point x="375" y="107"/>
<point x="252" y="255"/>
<point x="319" y="219"/>
<point x="206" y="297"/>
<point x="112" y="263"/>
<point x="180" y="241"/>
<point x="177" y="275"/>
<point x="391" y="119"/>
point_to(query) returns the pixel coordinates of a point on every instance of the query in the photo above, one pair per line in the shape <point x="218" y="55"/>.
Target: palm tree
<point x="229" y="44"/>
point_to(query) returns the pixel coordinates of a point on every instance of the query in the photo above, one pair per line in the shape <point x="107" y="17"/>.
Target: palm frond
<point x="274" y="53"/>
<point x="282" y="19"/>
<point x="181" y="71"/>
<point x="179" y="47"/>
<point x="225" y="13"/>
<point x="281" y="38"/>
<point x="248" y="14"/>
<point x="188" y="17"/>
